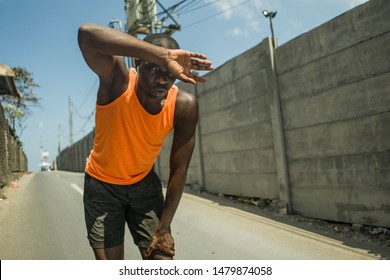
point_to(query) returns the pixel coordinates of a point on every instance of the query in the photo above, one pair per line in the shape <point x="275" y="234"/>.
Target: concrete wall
<point x="328" y="154"/>
<point x="334" y="89"/>
<point x="73" y="158"/>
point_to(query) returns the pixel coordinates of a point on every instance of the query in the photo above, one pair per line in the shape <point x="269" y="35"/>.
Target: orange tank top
<point x="128" y="139"/>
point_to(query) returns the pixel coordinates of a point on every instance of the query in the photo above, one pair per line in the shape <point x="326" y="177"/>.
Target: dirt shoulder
<point x="375" y="240"/>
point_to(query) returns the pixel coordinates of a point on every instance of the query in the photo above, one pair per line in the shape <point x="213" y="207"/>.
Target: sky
<point x="41" y="36"/>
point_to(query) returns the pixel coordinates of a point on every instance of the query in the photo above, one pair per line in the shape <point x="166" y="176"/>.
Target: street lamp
<point x="270" y="15"/>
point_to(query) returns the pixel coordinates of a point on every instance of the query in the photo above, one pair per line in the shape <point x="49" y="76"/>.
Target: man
<point x="135" y="111"/>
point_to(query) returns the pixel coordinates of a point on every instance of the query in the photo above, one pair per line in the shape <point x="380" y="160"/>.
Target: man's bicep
<point x="182" y="148"/>
<point x="101" y="64"/>
<point x="186" y="119"/>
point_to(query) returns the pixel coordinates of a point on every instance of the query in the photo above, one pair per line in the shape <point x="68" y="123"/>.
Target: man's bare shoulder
<point x="186" y="100"/>
<point x="186" y="106"/>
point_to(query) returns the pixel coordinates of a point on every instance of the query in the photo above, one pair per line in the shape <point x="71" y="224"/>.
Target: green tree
<point x="17" y="110"/>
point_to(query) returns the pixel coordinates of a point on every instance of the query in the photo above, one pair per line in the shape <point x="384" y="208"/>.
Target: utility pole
<point x="44" y="154"/>
<point x="70" y="122"/>
<point x="152" y="15"/>
<point x="112" y="25"/>
<point x="41" y="144"/>
<point x="142" y="17"/>
<point x="59" y="139"/>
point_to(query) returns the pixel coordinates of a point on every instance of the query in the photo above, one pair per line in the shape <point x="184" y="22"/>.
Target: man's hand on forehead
<point x="181" y="62"/>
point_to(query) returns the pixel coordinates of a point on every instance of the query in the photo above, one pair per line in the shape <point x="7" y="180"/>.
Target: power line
<point x="199" y="7"/>
<point x="217" y="14"/>
<point x="86" y="122"/>
<point x="164" y="11"/>
<point x="167" y="12"/>
<point x="78" y="114"/>
<point x="172" y="8"/>
<point x="188" y="5"/>
<point x="89" y="92"/>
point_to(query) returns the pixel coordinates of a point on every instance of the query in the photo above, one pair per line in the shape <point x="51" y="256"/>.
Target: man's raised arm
<point x="99" y="46"/>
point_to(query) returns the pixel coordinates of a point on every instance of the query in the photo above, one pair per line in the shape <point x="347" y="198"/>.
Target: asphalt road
<point x="43" y="219"/>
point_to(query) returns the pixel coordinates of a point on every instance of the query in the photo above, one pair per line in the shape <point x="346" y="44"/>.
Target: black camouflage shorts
<point x="109" y="207"/>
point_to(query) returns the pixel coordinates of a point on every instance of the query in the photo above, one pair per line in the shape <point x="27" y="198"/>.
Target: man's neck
<point x="153" y="105"/>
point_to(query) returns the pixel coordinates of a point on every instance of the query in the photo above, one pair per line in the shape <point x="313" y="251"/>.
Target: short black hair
<point x="162" y="40"/>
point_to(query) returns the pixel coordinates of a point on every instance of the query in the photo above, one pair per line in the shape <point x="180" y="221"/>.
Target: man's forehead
<point x="152" y="64"/>
<point x="148" y="63"/>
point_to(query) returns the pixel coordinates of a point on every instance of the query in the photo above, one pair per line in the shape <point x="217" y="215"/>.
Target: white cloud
<point x="236" y="32"/>
<point x="225" y="6"/>
<point x="248" y="13"/>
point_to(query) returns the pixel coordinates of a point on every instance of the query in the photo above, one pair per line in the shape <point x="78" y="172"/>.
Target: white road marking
<point x="77" y="188"/>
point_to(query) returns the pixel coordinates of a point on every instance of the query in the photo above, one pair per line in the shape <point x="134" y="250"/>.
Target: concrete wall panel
<point x="245" y="161"/>
<point x="358" y="135"/>
<point x="364" y="170"/>
<point x="239" y="184"/>
<point x="360" y="24"/>
<point x="244" y="113"/>
<point x="365" y="97"/>
<point x="256" y="135"/>
<point x="337" y="69"/>
<point x="361" y="206"/>
<point x="226" y="95"/>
